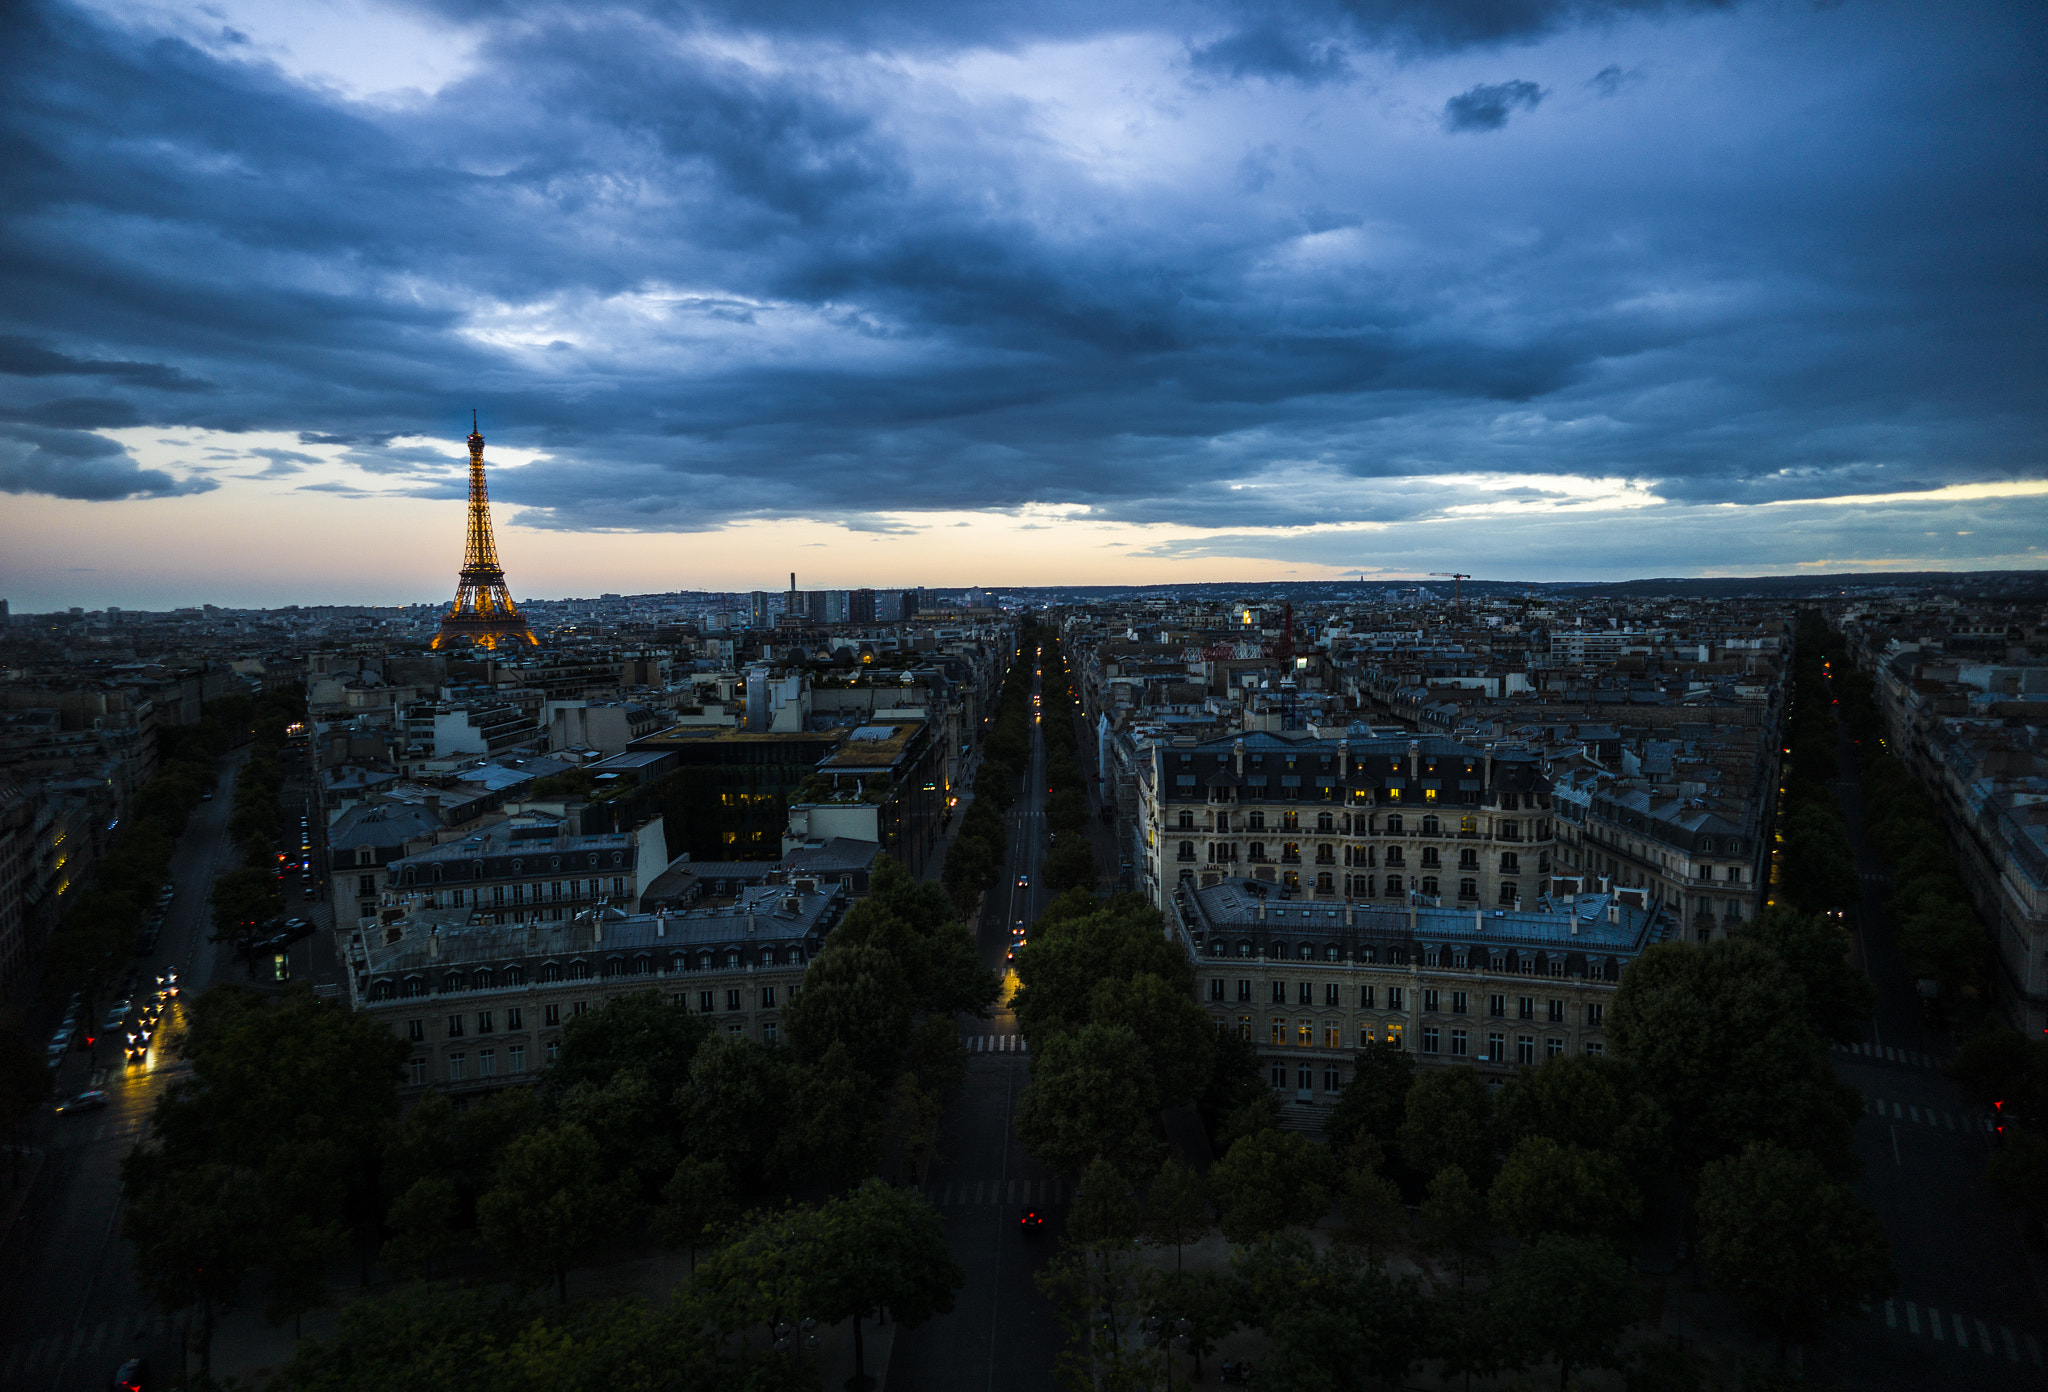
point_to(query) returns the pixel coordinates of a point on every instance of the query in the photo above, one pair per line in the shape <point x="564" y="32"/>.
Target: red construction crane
<point x="1457" y="580"/>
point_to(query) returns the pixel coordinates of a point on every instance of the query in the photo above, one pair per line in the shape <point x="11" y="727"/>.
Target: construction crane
<point x="1457" y="585"/>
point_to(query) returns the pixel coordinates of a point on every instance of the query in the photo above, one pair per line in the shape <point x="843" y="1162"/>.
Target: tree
<point x="424" y="1226"/>
<point x="1789" y="1246"/>
<point x="198" y="1232"/>
<point x="1176" y="1207"/>
<point x="241" y="900"/>
<point x="882" y="1247"/>
<point x="1089" y="1096"/>
<point x="1593" y="1102"/>
<point x="971" y="868"/>
<point x="1105" y="1211"/>
<point x="1839" y="997"/>
<point x="1571" y="1298"/>
<point x="1328" y="1324"/>
<point x="1207" y="1300"/>
<point x="1375" y="1101"/>
<point x="855" y="995"/>
<point x="551" y="1203"/>
<point x="1178" y="1035"/>
<point x="695" y="1203"/>
<point x="644" y="1031"/>
<point x="1374" y="1215"/>
<point x="735" y="1106"/>
<point x="1454" y="1223"/>
<point x="1449" y="1121"/>
<point x="1235" y="1082"/>
<point x="1268" y="1181"/>
<point x="1545" y="1187"/>
<point x="1071" y="864"/>
<point x="1080" y="947"/>
<point x="1721" y="1035"/>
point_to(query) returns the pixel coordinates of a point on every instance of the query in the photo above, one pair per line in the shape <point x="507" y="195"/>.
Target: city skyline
<point x="1008" y="296"/>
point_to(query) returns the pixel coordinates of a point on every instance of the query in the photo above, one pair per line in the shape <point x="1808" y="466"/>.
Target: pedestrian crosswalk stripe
<point x="1934" y="1323"/>
<point x="1962" y="1332"/>
<point x="1891" y="1316"/>
<point x="1984" y="1340"/>
<point x="2033" y="1349"/>
<point x="13" y="1357"/>
<point x="1913" y="1318"/>
<point x="2012" y="1352"/>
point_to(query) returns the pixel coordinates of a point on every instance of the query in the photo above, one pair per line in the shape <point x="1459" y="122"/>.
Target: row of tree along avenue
<point x="1438" y="1222"/>
<point x="285" y="1158"/>
<point x="1070" y="863"/>
<point x="101" y="924"/>
<point x="974" y="862"/>
<point x="1943" y="940"/>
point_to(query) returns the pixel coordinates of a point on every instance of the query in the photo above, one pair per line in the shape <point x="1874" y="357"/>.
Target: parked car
<point x="134" y="1374"/>
<point x="116" y="1014"/>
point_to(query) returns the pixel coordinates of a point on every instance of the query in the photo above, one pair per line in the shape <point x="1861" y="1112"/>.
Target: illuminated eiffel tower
<point x="483" y="614"/>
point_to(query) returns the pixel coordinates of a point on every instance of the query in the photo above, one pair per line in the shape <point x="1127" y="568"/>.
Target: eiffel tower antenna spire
<point x="482" y="614"/>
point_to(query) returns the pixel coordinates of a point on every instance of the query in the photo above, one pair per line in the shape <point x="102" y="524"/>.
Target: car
<point x="134" y="1374"/>
<point x="91" y="1100"/>
<point x="1032" y="1221"/>
<point x="116" y="1015"/>
<point x="1023" y="882"/>
<point x="1011" y="955"/>
<point x="206" y="796"/>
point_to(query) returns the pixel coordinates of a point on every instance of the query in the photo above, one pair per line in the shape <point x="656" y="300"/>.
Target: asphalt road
<point x="1003" y="1334"/>
<point x="1968" y="1313"/>
<point x="70" y="1312"/>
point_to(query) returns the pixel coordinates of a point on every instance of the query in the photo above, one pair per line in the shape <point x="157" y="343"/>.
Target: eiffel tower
<point x="483" y="614"/>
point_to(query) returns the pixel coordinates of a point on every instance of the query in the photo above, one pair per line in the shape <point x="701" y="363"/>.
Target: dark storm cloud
<point x="704" y="288"/>
<point x="1273" y="50"/>
<point x="1487" y="106"/>
<point x="21" y="358"/>
<point x="79" y="464"/>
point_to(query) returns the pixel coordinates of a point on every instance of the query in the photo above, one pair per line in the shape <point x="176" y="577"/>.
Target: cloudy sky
<point x="1013" y="291"/>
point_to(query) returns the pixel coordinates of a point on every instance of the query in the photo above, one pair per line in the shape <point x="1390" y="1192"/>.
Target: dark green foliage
<point x="552" y="1201"/>
<point x="1839" y="997"/>
<point x="1569" y="1299"/>
<point x="1071" y="865"/>
<point x="1449" y="1121"/>
<point x="1791" y="1247"/>
<point x="1593" y="1102"/>
<point x="644" y="1032"/>
<point x="1268" y="1181"/>
<point x="1721" y="1036"/>
<point x="1090" y="1097"/>
<point x="1545" y="1187"/>
<point x="1375" y="1102"/>
<point x="1331" y="1324"/>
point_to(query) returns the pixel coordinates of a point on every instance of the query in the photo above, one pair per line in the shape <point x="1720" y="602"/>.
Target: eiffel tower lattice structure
<point x="483" y="614"/>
